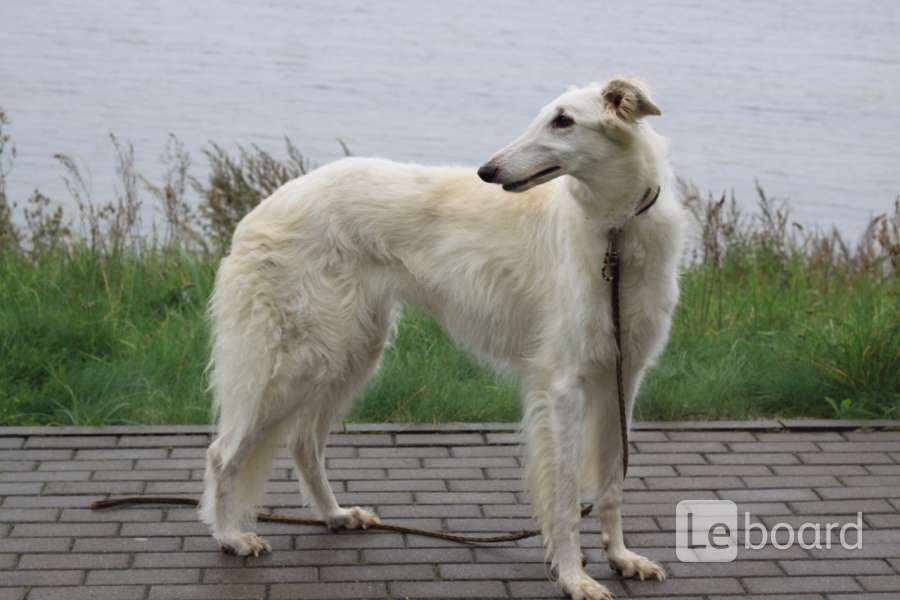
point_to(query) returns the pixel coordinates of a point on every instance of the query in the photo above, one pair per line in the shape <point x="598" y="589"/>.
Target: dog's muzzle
<point x="488" y="173"/>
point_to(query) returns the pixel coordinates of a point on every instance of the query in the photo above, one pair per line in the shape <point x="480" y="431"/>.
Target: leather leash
<point x="611" y="274"/>
<point x="470" y="540"/>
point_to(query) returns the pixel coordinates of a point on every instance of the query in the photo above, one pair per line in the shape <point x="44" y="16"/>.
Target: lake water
<point x="802" y="95"/>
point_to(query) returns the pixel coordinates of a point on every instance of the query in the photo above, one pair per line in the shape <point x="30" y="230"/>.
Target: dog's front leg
<point x="553" y="423"/>
<point x="605" y="457"/>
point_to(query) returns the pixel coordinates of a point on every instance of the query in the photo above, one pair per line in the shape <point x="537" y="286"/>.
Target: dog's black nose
<point x="488" y="173"/>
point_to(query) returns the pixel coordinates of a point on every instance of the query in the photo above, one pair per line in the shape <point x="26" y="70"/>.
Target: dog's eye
<point x="562" y="121"/>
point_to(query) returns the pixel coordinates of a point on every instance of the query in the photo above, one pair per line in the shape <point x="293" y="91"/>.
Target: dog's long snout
<point x="488" y="173"/>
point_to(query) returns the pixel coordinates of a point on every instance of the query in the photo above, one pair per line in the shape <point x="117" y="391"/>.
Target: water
<point x="799" y="95"/>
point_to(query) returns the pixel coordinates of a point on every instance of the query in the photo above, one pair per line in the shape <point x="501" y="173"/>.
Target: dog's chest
<point x="648" y="292"/>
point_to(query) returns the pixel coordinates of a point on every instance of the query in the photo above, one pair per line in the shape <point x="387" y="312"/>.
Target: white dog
<point x="306" y="301"/>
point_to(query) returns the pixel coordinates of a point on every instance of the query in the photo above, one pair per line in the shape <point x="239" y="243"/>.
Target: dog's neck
<point x="610" y="196"/>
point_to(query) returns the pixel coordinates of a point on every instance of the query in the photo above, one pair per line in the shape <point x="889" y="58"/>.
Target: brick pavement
<point x="462" y="478"/>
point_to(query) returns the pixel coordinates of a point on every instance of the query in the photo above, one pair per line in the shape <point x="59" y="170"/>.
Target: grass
<point x="102" y="324"/>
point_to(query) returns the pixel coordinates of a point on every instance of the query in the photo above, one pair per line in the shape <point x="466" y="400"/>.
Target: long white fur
<point x="307" y="299"/>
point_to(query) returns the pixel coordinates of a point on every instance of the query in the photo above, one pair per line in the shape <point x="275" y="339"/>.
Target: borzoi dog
<point x="306" y="302"/>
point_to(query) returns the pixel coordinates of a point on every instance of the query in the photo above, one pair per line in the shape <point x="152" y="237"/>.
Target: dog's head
<point x="577" y="134"/>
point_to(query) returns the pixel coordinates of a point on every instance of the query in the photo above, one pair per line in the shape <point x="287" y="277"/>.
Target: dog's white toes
<point x="586" y="588"/>
<point x="352" y="518"/>
<point x="244" y="544"/>
<point x="629" y="564"/>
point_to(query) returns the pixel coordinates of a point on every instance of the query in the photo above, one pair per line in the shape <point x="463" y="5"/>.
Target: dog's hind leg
<point x="307" y="445"/>
<point x="603" y="461"/>
<point x="238" y="466"/>
<point x="310" y="435"/>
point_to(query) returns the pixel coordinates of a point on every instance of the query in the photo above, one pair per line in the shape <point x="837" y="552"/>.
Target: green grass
<point x="92" y="339"/>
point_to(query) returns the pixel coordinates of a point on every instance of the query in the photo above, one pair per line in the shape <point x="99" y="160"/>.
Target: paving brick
<point x="429" y="510"/>
<point x="867" y="480"/>
<point x="482" y="451"/>
<point x="782" y="585"/>
<point x="497" y="485"/>
<point x="208" y="592"/>
<point x="716" y="470"/>
<point x="410" y="452"/>
<point x="805" y="470"/>
<point x="164" y="441"/>
<point x="768" y="495"/>
<point x="801" y="436"/>
<point x="466" y="498"/>
<point x="740" y="568"/>
<point x="831" y="493"/>
<point x="45" y="476"/>
<point x="880" y="583"/>
<point x="549" y="589"/>
<point x="349" y="540"/>
<point x="70" y="515"/>
<point x="329" y="591"/>
<point x="64" y="529"/>
<point x="391" y="485"/>
<point x="76" y="501"/>
<point x="836" y="567"/>
<point x="260" y="575"/>
<point x="868" y="550"/>
<point x="450" y="589"/>
<point x="867" y="446"/>
<point x="20" y="489"/>
<point x="93" y="487"/>
<point x="471" y="462"/>
<point x="676" y="458"/>
<point x="24" y="515"/>
<point x="143" y="576"/>
<point x="180" y="560"/>
<point x="163" y="475"/>
<point x="448" y="474"/>
<point x="438" y="439"/>
<point x="375" y="463"/>
<point x="73" y="561"/>
<point x="7" y="466"/>
<point x="702" y="447"/>
<point x="399" y="556"/>
<point x="837" y="507"/>
<point x="711" y="436"/>
<point x="12" y="455"/>
<point x="71" y="441"/>
<point x="206" y="543"/>
<point x="754" y="458"/>
<point x="681" y="586"/>
<point x="839" y="458"/>
<point x="120" y="453"/>
<point x="377" y="573"/>
<point x="784" y="481"/>
<point x="23" y="545"/>
<point x="693" y="483"/>
<point x="48" y="577"/>
<point x="127" y="545"/>
<point x="109" y="592"/>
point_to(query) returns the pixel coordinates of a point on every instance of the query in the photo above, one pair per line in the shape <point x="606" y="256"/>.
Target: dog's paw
<point x="629" y="564"/>
<point x="352" y="518"/>
<point x="585" y="588"/>
<point x="244" y="544"/>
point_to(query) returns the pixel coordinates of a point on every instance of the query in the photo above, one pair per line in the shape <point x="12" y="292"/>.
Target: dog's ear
<point x="628" y="99"/>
